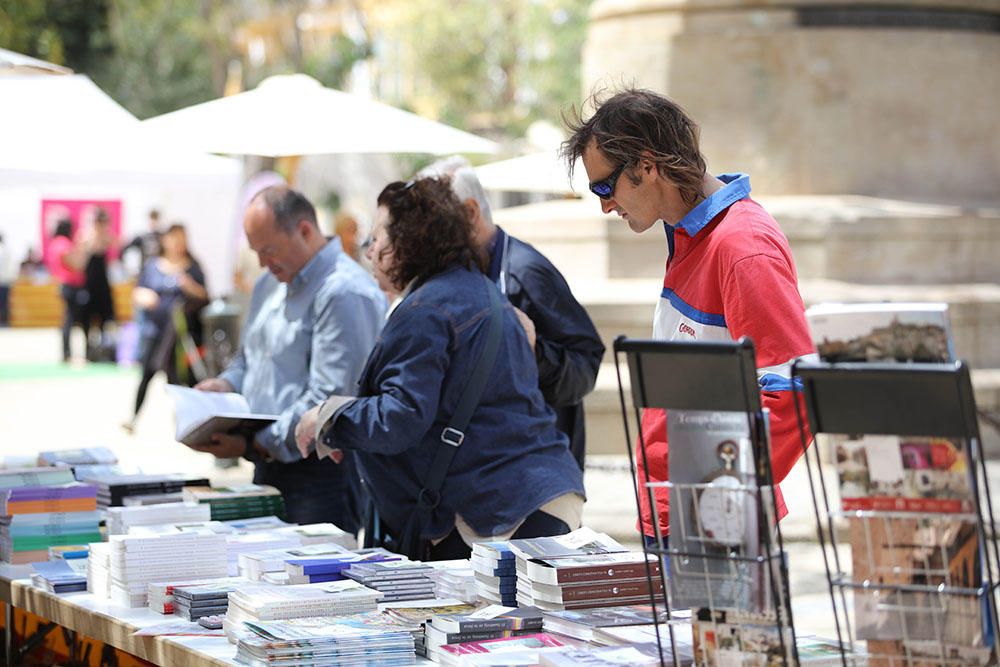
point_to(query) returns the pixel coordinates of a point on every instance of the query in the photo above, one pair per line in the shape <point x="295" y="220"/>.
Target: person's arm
<point x="567" y="347"/>
<point x="412" y="364"/>
<point x="343" y="336"/>
<point x="762" y="301"/>
<point x="192" y="283"/>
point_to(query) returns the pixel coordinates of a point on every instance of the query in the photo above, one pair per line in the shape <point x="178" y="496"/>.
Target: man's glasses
<point x="606" y="188"/>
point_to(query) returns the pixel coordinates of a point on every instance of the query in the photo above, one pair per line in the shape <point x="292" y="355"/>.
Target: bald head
<point x="281" y="228"/>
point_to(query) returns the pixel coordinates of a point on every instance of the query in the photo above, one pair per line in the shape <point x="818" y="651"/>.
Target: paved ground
<point x="47" y="405"/>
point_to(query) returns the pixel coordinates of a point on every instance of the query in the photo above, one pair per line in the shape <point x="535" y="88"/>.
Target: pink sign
<point x="81" y="212"/>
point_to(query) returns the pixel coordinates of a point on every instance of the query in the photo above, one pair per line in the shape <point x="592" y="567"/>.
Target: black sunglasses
<point x="606" y="188"/>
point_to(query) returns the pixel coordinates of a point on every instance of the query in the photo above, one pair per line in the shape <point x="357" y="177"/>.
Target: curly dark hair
<point x="636" y="121"/>
<point x="429" y="230"/>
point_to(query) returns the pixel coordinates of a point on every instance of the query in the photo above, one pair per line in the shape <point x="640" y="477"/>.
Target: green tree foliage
<point x="169" y="54"/>
<point x="497" y="63"/>
<point x="73" y="33"/>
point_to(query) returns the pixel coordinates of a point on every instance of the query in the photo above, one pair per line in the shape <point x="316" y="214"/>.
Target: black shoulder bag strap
<point x="453" y="434"/>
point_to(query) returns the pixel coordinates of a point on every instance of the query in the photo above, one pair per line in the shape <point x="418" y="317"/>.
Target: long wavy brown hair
<point x="429" y="230"/>
<point x="634" y="124"/>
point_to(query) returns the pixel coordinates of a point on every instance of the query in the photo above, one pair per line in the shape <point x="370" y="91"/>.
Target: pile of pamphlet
<point x="520" y="650"/>
<point x="160" y="594"/>
<point x="315" y="570"/>
<point x="85" y="462"/>
<point x="454" y="579"/>
<point x="269" y="565"/>
<point x="418" y="613"/>
<point x="114" y="489"/>
<point x="191" y="602"/>
<point x="492" y="622"/>
<point x="397" y="580"/>
<point x="495" y="571"/>
<point x="137" y="561"/>
<point x="263" y="602"/>
<point x="121" y="519"/>
<point x="369" y="639"/>
<point x="99" y="570"/>
<point x="60" y="576"/>
<point x="42" y="509"/>
<point x="238" y="502"/>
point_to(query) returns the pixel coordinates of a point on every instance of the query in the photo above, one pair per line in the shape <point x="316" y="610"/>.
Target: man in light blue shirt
<point x="313" y="321"/>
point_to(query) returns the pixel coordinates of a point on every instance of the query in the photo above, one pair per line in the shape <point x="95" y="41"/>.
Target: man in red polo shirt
<point x="729" y="270"/>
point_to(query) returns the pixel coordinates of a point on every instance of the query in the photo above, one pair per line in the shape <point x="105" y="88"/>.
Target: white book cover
<point x="919" y="332"/>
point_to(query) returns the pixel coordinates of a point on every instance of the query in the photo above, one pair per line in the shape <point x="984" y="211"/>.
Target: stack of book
<point x="38" y="517"/>
<point x="261" y="602"/>
<point x="60" y="576"/>
<point x="397" y="580"/>
<point x="137" y="561"/>
<point x="519" y="650"/>
<point x="256" y="565"/>
<point x="454" y="579"/>
<point x="582" y="569"/>
<point x="99" y="570"/>
<point x="492" y="622"/>
<point x="582" y="623"/>
<point x="582" y="582"/>
<point x="160" y="594"/>
<point x="238" y="502"/>
<point x="113" y="489"/>
<point x="359" y="640"/>
<point x="121" y="519"/>
<point x="191" y="602"/>
<point x="419" y="613"/>
<point x="311" y="570"/>
<point x="636" y="655"/>
<point x="496" y="574"/>
<point x="85" y="462"/>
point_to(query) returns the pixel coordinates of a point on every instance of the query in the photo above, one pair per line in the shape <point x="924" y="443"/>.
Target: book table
<point x="114" y="625"/>
<point x="99" y="619"/>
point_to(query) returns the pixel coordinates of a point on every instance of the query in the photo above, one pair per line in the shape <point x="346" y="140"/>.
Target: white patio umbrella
<point x="12" y="63"/>
<point x="538" y="172"/>
<point x="296" y="115"/>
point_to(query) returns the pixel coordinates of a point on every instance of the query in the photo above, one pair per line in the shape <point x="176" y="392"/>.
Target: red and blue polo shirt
<point x="730" y="274"/>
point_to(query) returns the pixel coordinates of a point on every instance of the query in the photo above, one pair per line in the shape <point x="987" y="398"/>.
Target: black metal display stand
<point x="925" y="579"/>
<point x="718" y="377"/>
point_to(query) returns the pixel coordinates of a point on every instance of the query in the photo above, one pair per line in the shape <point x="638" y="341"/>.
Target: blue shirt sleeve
<point x="342" y="338"/>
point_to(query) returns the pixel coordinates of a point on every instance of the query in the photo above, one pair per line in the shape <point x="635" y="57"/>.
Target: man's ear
<point x="307" y="229"/>
<point x="646" y="163"/>
<point x="472" y="206"/>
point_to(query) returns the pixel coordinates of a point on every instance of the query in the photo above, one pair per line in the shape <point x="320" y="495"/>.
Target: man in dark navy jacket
<point x="566" y="345"/>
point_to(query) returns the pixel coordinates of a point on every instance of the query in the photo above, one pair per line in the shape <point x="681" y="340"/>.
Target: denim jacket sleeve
<point x="404" y="379"/>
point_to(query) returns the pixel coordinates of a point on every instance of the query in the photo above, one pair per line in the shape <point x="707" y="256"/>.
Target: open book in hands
<point x="201" y="413"/>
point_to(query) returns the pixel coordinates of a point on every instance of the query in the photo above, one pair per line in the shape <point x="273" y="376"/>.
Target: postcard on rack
<point x="200" y="414"/>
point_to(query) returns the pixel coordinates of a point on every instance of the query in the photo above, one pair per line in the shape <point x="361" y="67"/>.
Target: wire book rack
<point x="920" y="587"/>
<point x="725" y="552"/>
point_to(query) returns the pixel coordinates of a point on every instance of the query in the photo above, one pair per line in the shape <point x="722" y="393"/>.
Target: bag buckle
<point x="452" y="436"/>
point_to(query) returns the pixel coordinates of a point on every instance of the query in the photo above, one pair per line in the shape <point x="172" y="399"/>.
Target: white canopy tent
<point x="296" y="115"/>
<point x="64" y="138"/>
<point x="543" y="172"/>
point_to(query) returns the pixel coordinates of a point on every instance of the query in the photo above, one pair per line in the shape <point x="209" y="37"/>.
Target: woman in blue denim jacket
<point x="513" y="476"/>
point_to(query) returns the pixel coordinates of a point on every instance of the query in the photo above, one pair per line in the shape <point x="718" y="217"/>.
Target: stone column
<point x="891" y="98"/>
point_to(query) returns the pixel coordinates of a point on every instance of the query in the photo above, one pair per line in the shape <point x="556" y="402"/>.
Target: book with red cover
<point x="592" y="568"/>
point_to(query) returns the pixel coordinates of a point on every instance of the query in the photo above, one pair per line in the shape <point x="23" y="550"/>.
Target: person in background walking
<point x="171" y="294"/>
<point x="98" y="309"/>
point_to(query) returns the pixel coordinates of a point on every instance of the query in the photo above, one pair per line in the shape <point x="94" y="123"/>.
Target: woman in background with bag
<point x="171" y="292"/>
<point x="455" y="441"/>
